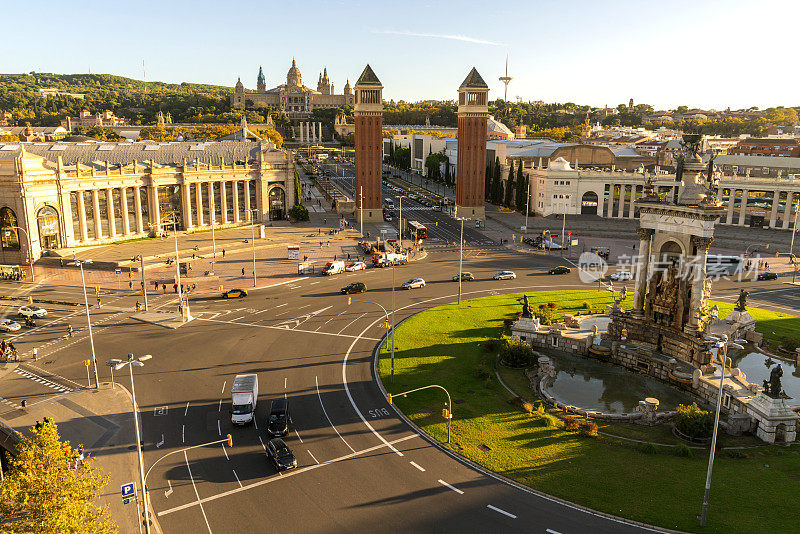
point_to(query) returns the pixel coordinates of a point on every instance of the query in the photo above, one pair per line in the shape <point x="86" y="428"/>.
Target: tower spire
<point x="506" y="79"/>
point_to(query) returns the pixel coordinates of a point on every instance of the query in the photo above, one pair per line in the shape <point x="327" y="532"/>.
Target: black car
<point x="278" y="422"/>
<point x="355" y="287"/>
<point x="559" y="270"/>
<point x="767" y="276"/>
<point x="280" y="455"/>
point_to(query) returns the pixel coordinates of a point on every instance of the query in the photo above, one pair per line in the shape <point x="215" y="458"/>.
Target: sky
<point x="702" y="53"/>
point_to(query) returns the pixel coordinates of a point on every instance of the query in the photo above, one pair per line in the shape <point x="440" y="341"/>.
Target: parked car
<point x="559" y="270"/>
<point x="278" y="422"/>
<point x="234" y="294"/>
<point x="281" y="455"/>
<point x="355" y="287"/>
<point x="767" y="276"/>
<point x="32" y="311"/>
<point x="355" y="266"/>
<point x="413" y="283"/>
<point x="505" y="275"/>
<point x="467" y="277"/>
<point x="621" y="276"/>
<point x="7" y="325"/>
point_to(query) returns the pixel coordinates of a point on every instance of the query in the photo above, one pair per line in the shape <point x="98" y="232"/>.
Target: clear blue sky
<point x="706" y="53"/>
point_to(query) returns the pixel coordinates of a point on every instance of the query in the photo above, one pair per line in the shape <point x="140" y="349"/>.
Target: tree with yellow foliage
<point x="49" y="489"/>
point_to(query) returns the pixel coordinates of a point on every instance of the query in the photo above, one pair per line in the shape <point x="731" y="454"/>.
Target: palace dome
<point x="293" y="77"/>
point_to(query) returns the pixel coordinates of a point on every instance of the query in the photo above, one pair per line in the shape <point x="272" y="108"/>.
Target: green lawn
<point x="442" y="346"/>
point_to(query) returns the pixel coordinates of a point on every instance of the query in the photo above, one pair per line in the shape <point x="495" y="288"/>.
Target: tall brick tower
<point x="473" y="110"/>
<point x="368" y="113"/>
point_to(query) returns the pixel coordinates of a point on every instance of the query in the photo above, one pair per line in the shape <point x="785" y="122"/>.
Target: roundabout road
<point x="360" y="466"/>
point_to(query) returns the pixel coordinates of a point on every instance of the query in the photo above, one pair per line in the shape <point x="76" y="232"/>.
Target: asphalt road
<point x="360" y="466"/>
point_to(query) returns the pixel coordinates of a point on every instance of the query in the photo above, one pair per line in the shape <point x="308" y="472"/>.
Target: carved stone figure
<point x="772" y="388"/>
<point x="742" y="301"/>
<point x="527" y="311"/>
<point x="667" y="289"/>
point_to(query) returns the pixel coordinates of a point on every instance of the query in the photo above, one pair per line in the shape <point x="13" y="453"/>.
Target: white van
<point x="244" y="396"/>
<point x="333" y="267"/>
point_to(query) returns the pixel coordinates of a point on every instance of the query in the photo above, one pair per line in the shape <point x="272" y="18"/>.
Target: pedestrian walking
<point x="138" y="305"/>
<point x="69" y="330"/>
<point x="223" y="252"/>
<point x="99" y="304"/>
<point x="130" y="284"/>
<point x="175" y="287"/>
<point x="35" y="354"/>
<point x="242" y="271"/>
<point x="13" y="350"/>
<point x="164" y="288"/>
<point x="348" y="256"/>
<point x="334" y="257"/>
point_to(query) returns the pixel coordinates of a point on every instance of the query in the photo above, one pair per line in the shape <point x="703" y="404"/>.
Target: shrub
<point x="647" y="448"/>
<point x="482" y="371"/>
<point x="694" y="422"/>
<point x="508" y="322"/>
<point x="299" y="213"/>
<point x="527" y="407"/>
<point x="516" y="353"/>
<point x="683" y="450"/>
<point x="552" y="305"/>
<point x="586" y="305"/>
<point x="734" y="453"/>
<point x="572" y="423"/>
<point x="589" y="428"/>
<point x="545" y="315"/>
<point x="548" y="421"/>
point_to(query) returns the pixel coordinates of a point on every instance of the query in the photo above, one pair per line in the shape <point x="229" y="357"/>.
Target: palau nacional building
<point x="56" y="195"/>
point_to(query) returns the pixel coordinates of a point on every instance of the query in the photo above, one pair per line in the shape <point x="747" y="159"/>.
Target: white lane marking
<point x="351" y="322"/>
<point x="312" y="283"/>
<point x="237" y="478"/>
<point x="551" y="531"/>
<point x="417" y="466"/>
<point x="282" y="313"/>
<point x="262" y="444"/>
<point x="223" y="387"/>
<point x="225" y="451"/>
<point x="255" y="421"/>
<point x="160" y="443"/>
<point x="186" y="410"/>
<point x="315" y="459"/>
<point x="183" y="433"/>
<point x="286" y="328"/>
<point x="284" y="382"/>
<point x="443" y="483"/>
<point x="298" y="435"/>
<point x="328" y="418"/>
<point x="219" y="428"/>
<point x="195" y="492"/>
<point x="219" y="408"/>
<point x="279" y="305"/>
<point x="288" y="474"/>
<point x="306" y="306"/>
<point x="496" y="509"/>
<point x="169" y="491"/>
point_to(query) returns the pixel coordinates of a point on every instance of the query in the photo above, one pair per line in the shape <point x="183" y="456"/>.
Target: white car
<point x="32" y="311"/>
<point x="413" y="283"/>
<point x="621" y="276"/>
<point x="505" y="275"/>
<point x="7" y="325"/>
<point x="356" y="266"/>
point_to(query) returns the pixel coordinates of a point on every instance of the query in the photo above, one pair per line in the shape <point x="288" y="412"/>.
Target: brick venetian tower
<point x="473" y="110"/>
<point x="368" y="112"/>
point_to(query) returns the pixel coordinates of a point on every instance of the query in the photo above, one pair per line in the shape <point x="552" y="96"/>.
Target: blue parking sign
<point x="117" y="271"/>
<point x="128" y="490"/>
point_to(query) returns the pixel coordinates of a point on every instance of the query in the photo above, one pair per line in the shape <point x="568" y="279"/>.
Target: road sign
<point x="86" y="363"/>
<point x="117" y="271"/>
<point x="128" y="492"/>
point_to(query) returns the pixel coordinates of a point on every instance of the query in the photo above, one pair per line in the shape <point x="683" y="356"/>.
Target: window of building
<point x="9" y="235"/>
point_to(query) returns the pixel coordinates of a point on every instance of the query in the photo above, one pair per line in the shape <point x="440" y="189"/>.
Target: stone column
<point x="98" y="230"/>
<point x="235" y="192"/>
<point x="248" y="215"/>
<point x="198" y="193"/>
<point x="82" y="217"/>
<point x="610" y="209"/>
<point x="223" y="201"/>
<point x="773" y="216"/>
<point x="698" y="281"/>
<point x="186" y="205"/>
<point x="633" y="200"/>
<point x="787" y="211"/>
<point x="155" y="209"/>
<point x="621" y="206"/>
<point x="123" y="197"/>
<point x="743" y="207"/>
<point x="137" y="209"/>
<point x="319" y="125"/>
<point x="731" y="202"/>
<point x="212" y="208"/>
<point x="600" y="200"/>
<point x="112" y="221"/>
<point x="642" y="270"/>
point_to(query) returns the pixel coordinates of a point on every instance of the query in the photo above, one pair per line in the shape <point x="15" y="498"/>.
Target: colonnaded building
<point x="56" y="195"/>
<point x="294" y="98"/>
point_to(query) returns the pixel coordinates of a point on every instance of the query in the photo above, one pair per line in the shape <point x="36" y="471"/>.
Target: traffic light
<point x="389" y="397"/>
<point x="445" y="413"/>
<point x="349" y="300"/>
<point x="230" y="440"/>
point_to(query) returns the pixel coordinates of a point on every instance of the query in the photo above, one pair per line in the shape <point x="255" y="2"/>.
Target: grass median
<point x="444" y="346"/>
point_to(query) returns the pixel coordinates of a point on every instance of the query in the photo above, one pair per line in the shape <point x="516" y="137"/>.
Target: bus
<point x="417" y="230"/>
<point x="389" y="203"/>
<point x="718" y="265"/>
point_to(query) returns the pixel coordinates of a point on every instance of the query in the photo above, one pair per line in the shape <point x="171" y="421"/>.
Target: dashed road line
<point x="298" y="435"/>
<point x="200" y="502"/>
<point x="237" y="478"/>
<point x="225" y="451"/>
<point x="443" y="483"/>
<point x="316" y="380"/>
<point x="312" y="455"/>
<point x="498" y="510"/>
<point x="417" y="466"/>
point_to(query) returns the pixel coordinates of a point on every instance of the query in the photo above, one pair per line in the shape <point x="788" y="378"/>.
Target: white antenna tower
<point x="144" y="78"/>
<point x="505" y="79"/>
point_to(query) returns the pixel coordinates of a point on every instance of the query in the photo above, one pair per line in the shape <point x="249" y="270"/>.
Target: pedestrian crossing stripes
<point x="41" y="380"/>
<point x="9" y="403"/>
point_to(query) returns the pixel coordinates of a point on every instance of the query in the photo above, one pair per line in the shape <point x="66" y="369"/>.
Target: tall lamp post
<point x="144" y="284"/>
<point x="791" y="246"/>
<point x="117" y="365"/>
<point x="184" y="310"/>
<point x="461" y="257"/>
<point x="88" y="319"/>
<point x="253" y="240"/>
<point x="721" y="352"/>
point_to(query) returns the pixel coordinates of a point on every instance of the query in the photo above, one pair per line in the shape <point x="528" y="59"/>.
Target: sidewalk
<point x="101" y="420"/>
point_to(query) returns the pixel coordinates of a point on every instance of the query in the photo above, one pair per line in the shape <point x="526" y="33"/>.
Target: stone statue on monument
<point x="772" y="388"/>
<point x="527" y="311"/>
<point x="741" y="302"/>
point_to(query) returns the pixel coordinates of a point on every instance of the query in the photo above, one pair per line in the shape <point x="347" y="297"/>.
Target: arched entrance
<point x="277" y="204"/>
<point x="47" y="220"/>
<point x="589" y="203"/>
<point x="9" y="235"/>
<point x="670" y="251"/>
<point x="780" y="433"/>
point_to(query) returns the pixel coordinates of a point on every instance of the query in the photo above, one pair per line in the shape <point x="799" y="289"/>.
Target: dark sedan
<point x="559" y="270"/>
<point x="281" y="455"/>
<point x="767" y="276"/>
<point x="355" y="287"/>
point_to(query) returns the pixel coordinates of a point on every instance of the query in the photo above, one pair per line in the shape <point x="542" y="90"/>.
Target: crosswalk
<point x="41" y="380"/>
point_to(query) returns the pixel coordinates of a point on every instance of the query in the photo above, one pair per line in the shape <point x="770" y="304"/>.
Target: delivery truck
<point x="244" y="396"/>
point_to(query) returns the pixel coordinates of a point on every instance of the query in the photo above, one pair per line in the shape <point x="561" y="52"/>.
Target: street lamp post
<point x="130" y="362"/>
<point x="361" y="208"/>
<point x="449" y="402"/>
<point x="88" y="319"/>
<point x="460" y="259"/>
<point x="528" y="205"/>
<point x="144" y="284"/>
<point x="392" y="375"/>
<point x="791" y="246"/>
<point x="253" y="239"/>
<point x="722" y="346"/>
<point x="184" y="311"/>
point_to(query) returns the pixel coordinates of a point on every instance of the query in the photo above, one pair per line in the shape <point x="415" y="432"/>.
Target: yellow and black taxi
<point x="234" y="294"/>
